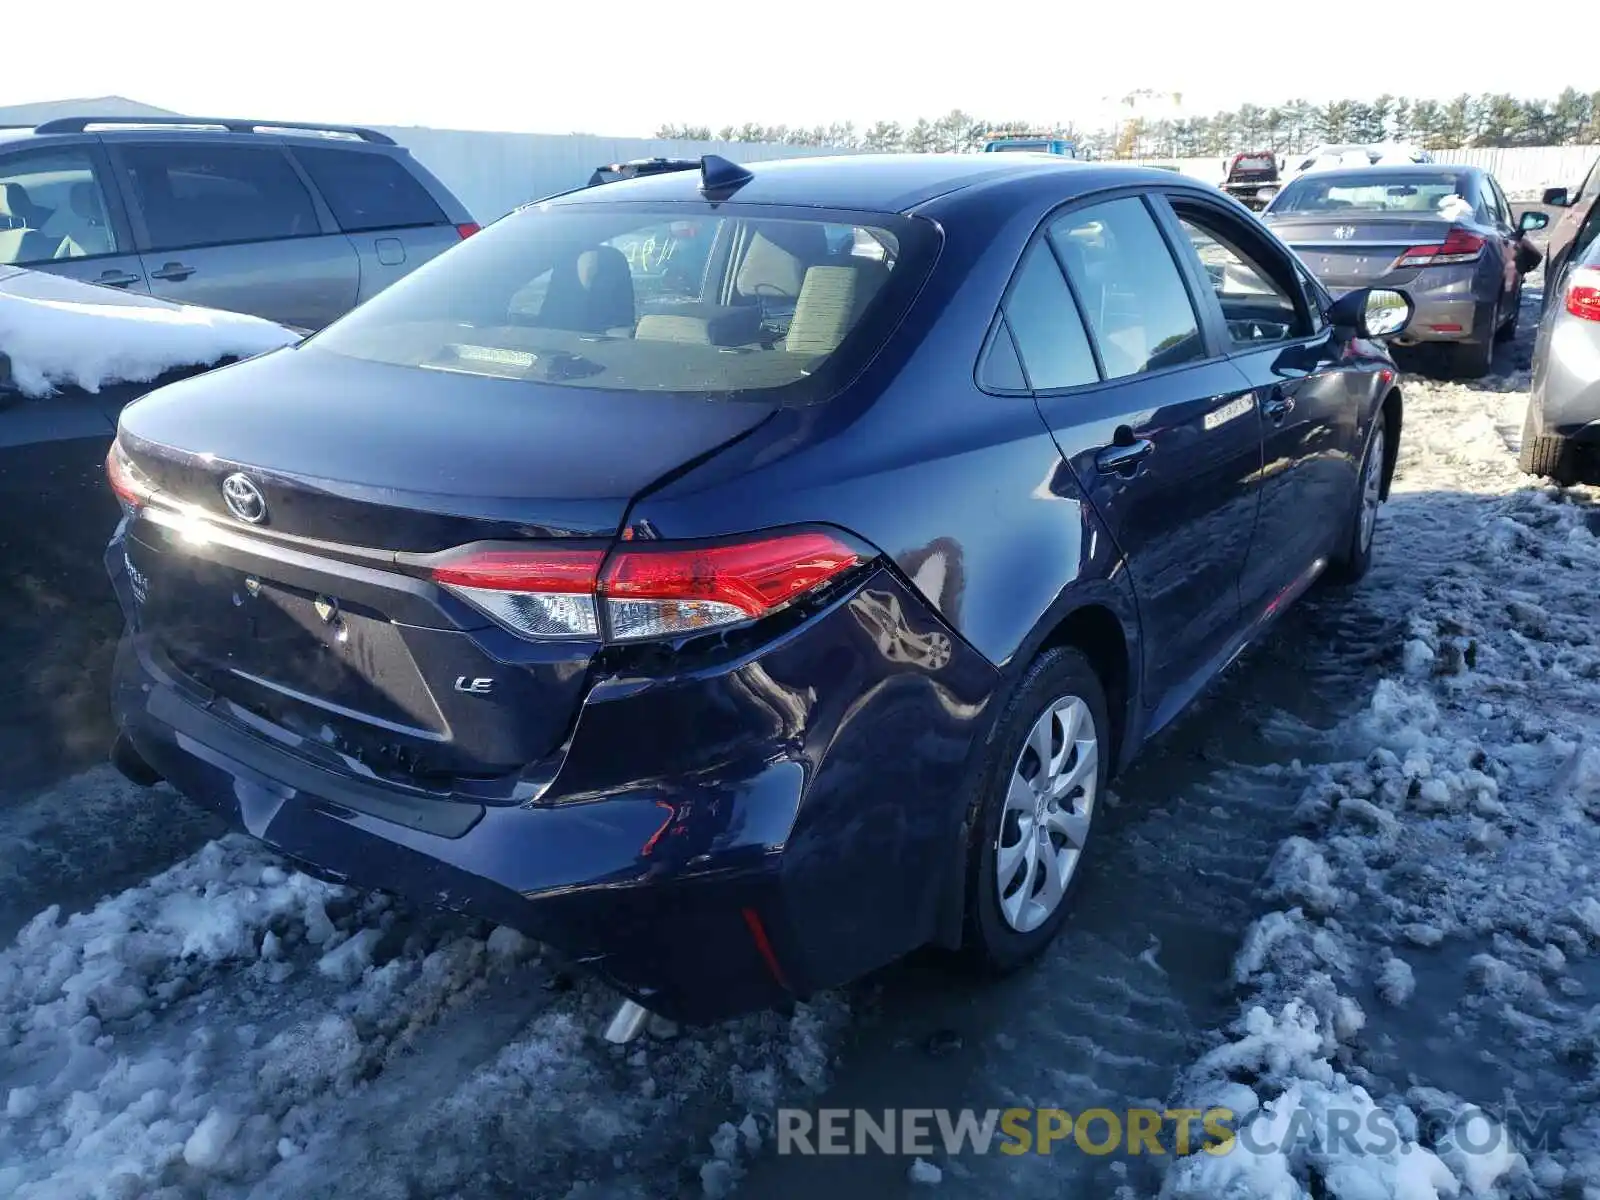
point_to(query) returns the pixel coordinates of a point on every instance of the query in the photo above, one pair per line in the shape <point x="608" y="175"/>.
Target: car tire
<point x="1352" y="563"/>
<point x="1548" y="455"/>
<point x="1508" y="329"/>
<point x="1060" y="703"/>
<point x="1471" y="360"/>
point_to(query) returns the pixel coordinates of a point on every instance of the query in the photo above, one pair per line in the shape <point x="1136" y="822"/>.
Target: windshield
<point x="1424" y="193"/>
<point x="681" y="298"/>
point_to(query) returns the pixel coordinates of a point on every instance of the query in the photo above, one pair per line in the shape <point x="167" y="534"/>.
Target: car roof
<point x="142" y="128"/>
<point x="872" y="182"/>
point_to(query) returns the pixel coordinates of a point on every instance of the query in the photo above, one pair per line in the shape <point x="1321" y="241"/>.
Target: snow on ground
<point x="62" y="333"/>
<point x="233" y="1028"/>
<point x="1430" y="970"/>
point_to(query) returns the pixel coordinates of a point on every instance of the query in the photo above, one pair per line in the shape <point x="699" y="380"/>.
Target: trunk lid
<point x="1358" y="250"/>
<point x="309" y="628"/>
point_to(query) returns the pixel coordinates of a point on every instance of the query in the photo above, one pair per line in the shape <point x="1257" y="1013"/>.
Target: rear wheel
<point x="1549" y="455"/>
<point x="1040" y="789"/>
<point x="1471" y="360"/>
<point x="1508" y="327"/>
<point x="1353" y="563"/>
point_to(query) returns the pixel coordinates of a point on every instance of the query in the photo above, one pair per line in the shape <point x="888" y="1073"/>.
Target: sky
<point x="624" y="67"/>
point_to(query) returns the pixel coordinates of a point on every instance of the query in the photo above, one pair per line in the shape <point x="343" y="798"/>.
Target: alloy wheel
<point x="1050" y="798"/>
<point x="1371" y="487"/>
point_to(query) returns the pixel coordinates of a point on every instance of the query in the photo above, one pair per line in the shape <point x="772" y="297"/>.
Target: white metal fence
<point x="492" y="173"/>
<point x="1523" y="171"/>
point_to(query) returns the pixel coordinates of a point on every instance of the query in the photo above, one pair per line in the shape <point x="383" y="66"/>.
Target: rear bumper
<point x="711" y="843"/>
<point x="1565" y="396"/>
<point x="1448" y="319"/>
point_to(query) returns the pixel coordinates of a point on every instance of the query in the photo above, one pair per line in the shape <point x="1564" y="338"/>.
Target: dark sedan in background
<point x="1444" y="234"/>
<point x="738" y="634"/>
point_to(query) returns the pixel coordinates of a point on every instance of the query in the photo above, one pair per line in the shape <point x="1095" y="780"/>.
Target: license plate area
<point x="283" y="650"/>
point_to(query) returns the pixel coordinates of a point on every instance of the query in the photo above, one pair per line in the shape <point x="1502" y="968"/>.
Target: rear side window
<point x="369" y="191"/>
<point x="1046" y="325"/>
<point x="1133" y="295"/>
<point x="203" y="194"/>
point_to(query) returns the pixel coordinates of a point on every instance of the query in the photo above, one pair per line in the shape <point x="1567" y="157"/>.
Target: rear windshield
<point x="683" y="298"/>
<point x="1425" y="193"/>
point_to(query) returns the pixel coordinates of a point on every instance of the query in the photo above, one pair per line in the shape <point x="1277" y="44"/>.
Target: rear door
<point x="232" y="225"/>
<point x="390" y="218"/>
<point x="59" y="213"/>
<point x="1161" y="432"/>
<point x="1494" y="215"/>
<point x="1307" y="410"/>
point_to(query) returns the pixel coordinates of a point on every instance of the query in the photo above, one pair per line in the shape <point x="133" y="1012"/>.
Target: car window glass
<point x="1429" y="192"/>
<point x="202" y="194"/>
<point x="622" y="298"/>
<point x="1502" y="206"/>
<point x="1133" y="295"/>
<point x="367" y="191"/>
<point x="1256" y="307"/>
<point x="1046" y="326"/>
<point x="52" y="207"/>
<point x="1001" y="369"/>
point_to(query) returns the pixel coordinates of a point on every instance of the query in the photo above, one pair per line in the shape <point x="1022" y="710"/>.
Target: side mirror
<point x="1529" y="221"/>
<point x="1372" y="312"/>
<point x="1556" y="197"/>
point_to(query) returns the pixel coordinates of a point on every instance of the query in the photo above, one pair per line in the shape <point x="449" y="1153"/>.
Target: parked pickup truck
<point x="1245" y="175"/>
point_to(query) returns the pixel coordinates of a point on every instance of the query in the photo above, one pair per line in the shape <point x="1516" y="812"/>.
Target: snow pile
<point x="1438" y="924"/>
<point x="234" y="1028"/>
<point x="85" y="342"/>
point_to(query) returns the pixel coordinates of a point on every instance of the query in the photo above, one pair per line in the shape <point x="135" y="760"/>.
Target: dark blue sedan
<point x="739" y="578"/>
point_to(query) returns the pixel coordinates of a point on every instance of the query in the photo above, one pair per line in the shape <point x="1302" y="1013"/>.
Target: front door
<point x="1292" y="362"/>
<point x="58" y="214"/>
<point x="234" y="227"/>
<point x="1161" y="434"/>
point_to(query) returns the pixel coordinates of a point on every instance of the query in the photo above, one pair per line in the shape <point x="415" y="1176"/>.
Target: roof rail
<point x="231" y="124"/>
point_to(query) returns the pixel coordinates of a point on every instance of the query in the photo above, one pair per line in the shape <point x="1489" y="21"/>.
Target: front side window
<point x="52" y="207"/>
<point x="722" y="301"/>
<point x="1133" y="295"/>
<point x="366" y="190"/>
<point x="1256" y="307"/>
<point x="203" y="194"/>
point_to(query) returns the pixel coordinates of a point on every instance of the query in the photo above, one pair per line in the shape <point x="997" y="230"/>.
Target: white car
<point x="1369" y="154"/>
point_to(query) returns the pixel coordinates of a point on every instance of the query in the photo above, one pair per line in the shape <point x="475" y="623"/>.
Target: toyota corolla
<point x="738" y="578"/>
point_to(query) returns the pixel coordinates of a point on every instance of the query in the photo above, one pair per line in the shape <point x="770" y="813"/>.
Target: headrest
<point x="779" y="254"/>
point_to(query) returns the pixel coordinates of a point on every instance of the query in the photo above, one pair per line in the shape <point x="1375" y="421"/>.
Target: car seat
<point x="590" y="293"/>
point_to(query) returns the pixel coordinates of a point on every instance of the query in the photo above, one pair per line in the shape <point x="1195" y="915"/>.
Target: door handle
<point x="172" y="270"/>
<point x="117" y="279"/>
<point x="1277" y="407"/>
<point x="1124" y="454"/>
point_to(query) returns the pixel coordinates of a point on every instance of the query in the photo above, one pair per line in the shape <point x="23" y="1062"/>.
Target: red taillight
<point x="660" y="591"/>
<point x="467" y="229"/>
<point x="129" y="485"/>
<point x="1583" y="293"/>
<point x="647" y="590"/>
<point x="1459" y="246"/>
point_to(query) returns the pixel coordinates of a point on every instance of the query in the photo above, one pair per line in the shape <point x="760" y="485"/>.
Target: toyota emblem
<point x="244" y="499"/>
